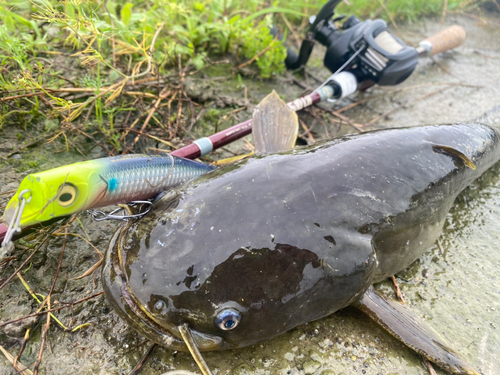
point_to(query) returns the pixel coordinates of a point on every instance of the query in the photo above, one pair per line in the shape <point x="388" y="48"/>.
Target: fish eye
<point x="228" y="319"/>
<point x="159" y="305"/>
<point x="67" y="195"/>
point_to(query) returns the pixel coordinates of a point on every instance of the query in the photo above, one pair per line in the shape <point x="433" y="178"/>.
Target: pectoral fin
<point x="275" y="126"/>
<point x="403" y="324"/>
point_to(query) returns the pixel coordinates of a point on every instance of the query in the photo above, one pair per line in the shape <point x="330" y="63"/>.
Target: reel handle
<point x="446" y="39"/>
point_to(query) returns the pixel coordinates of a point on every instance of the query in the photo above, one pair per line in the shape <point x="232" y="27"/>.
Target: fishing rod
<point x="364" y="54"/>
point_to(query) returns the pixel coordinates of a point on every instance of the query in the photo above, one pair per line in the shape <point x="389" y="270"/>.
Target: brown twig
<point x="8" y="192"/>
<point x="47" y="102"/>
<point x="180" y="100"/>
<point x="307" y="132"/>
<point x="155" y="150"/>
<point x="169" y="116"/>
<point x="343" y="118"/>
<point x="390" y="17"/>
<point x="250" y="146"/>
<point x="8" y="259"/>
<point x="131" y="128"/>
<point x="304" y="23"/>
<point x="195" y="119"/>
<point x="103" y="146"/>
<point x="58" y="268"/>
<point x="101" y="257"/>
<point x="297" y="82"/>
<point x="498" y="6"/>
<point x="44" y="339"/>
<point x="178" y="117"/>
<point x="46" y="300"/>
<point x="143" y="360"/>
<point x="89" y="90"/>
<point x="398" y="291"/>
<point x="378" y="11"/>
<point x="163" y="94"/>
<point x="258" y="54"/>
<point x="22" y="96"/>
<point x="296" y="37"/>
<point x="429" y="367"/>
<point x="169" y="144"/>
<point x="27" y="260"/>
<point x="227" y="116"/>
<point x="22" y="369"/>
<point x="21" y="349"/>
<point x="89" y="111"/>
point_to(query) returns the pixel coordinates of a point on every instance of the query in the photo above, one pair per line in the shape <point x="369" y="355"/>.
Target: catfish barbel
<point x="97" y="183"/>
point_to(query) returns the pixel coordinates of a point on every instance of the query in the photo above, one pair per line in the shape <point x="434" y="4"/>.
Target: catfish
<point x="247" y="252"/>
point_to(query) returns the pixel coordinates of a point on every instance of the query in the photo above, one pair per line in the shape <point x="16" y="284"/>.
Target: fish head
<point x="53" y="193"/>
<point x="151" y="318"/>
<point x="173" y="268"/>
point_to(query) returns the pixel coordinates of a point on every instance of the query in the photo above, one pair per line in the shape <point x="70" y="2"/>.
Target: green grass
<point x="111" y="44"/>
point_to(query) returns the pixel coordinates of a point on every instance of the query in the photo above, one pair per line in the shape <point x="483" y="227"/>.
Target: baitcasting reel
<point x="366" y="49"/>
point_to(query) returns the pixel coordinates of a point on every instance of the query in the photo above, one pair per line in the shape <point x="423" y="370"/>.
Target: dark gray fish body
<point x="289" y="238"/>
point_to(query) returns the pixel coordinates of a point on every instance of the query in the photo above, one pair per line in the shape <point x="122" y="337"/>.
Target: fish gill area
<point x="455" y="286"/>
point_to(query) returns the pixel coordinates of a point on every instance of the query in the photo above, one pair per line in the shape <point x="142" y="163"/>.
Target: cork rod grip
<point x="447" y="39"/>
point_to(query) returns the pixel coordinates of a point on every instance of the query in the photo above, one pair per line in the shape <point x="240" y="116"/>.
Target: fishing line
<point x="165" y="178"/>
<point x="340" y="69"/>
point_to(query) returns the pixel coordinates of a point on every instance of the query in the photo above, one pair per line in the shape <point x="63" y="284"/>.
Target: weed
<point x="92" y="61"/>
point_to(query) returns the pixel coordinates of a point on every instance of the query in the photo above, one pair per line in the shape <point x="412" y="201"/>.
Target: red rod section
<point x="203" y="146"/>
<point x="3" y="231"/>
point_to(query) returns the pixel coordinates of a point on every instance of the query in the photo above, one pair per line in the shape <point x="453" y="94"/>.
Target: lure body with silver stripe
<point x="97" y="183"/>
<point x="138" y="177"/>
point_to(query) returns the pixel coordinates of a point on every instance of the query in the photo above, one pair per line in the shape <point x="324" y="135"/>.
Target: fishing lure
<point x="97" y="183"/>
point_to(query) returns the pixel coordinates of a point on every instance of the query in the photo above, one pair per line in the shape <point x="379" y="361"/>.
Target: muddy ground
<point x="455" y="285"/>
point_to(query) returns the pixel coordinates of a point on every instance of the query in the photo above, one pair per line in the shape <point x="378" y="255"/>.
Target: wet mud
<point x="455" y="286"/>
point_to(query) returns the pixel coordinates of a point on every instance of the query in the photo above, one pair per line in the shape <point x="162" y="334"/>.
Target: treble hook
<point x="98" y="215"/>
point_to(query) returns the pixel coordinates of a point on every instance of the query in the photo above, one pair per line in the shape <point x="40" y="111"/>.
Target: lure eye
<point x="228" y="319"/>
<point x="67" y="195"/>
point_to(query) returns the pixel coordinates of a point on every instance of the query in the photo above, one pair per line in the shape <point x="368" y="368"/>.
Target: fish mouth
<point x="129" y="308"/>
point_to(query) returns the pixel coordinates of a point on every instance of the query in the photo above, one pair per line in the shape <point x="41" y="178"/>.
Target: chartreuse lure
<point x="97" y="183"/>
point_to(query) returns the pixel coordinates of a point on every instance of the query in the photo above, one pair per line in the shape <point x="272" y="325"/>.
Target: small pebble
<point x="310" y="367"/>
